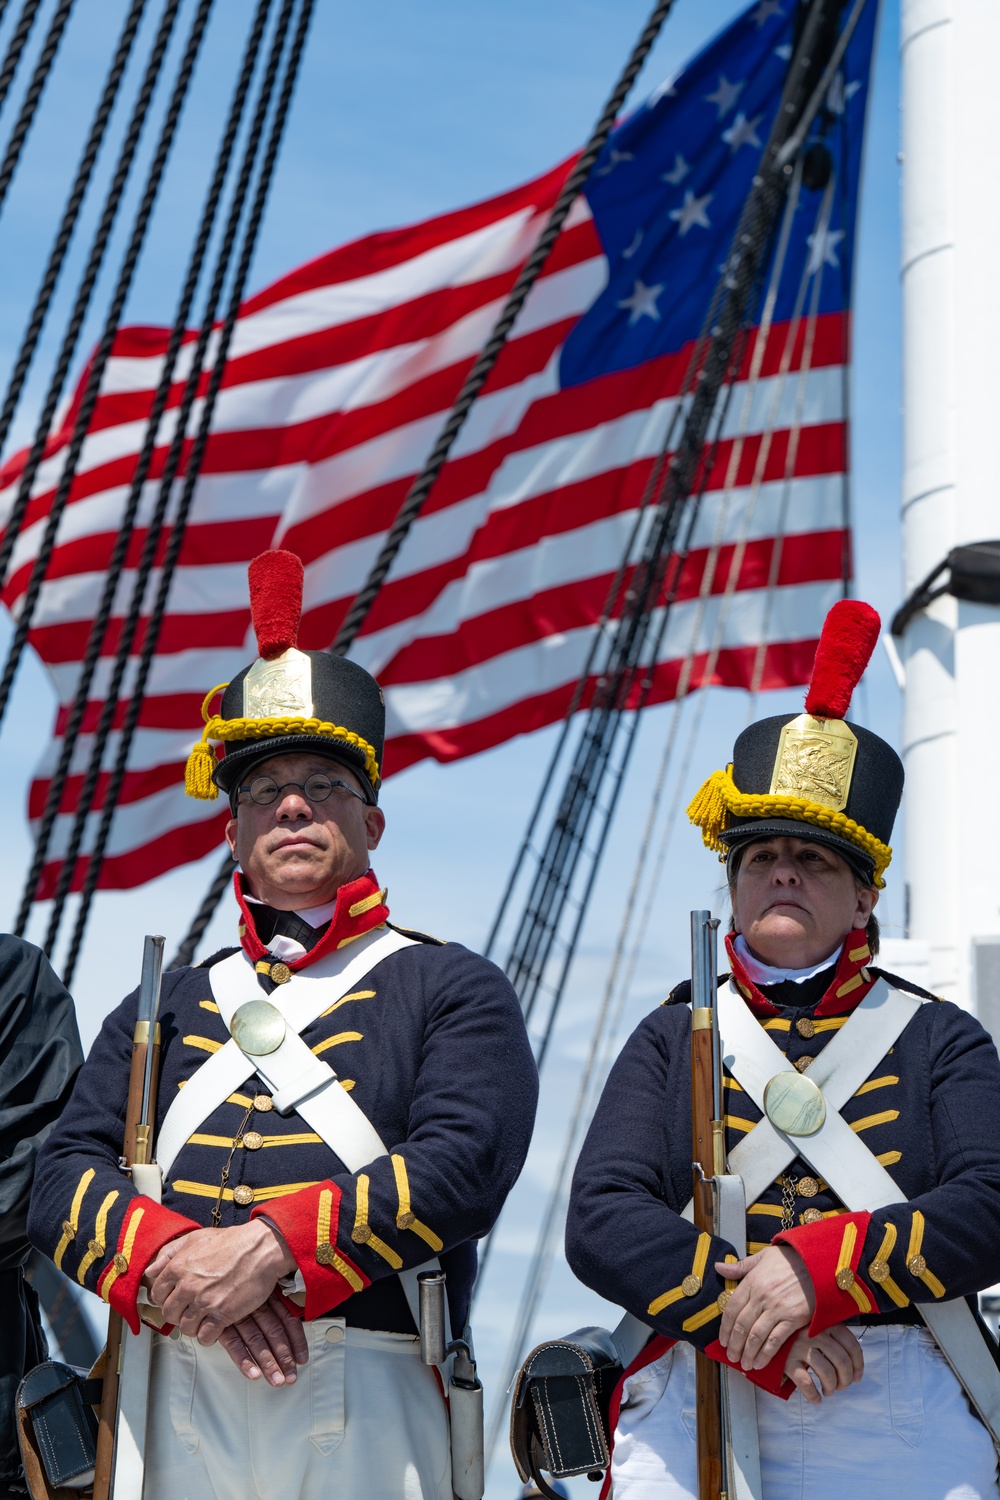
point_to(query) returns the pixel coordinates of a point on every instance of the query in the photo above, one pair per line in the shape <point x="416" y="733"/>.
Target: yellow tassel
<point x="718" y="800"/>
<point x="198" y="773"/>
<point x="708" y="809"/>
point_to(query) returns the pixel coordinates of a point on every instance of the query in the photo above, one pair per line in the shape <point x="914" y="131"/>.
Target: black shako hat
<point x="813" y="775"/>
<point x="288" y="700"/>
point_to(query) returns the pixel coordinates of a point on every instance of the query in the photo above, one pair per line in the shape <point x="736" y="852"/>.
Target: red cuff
<point x="308" y="1220"/>
<point x="831" y="1249"/>
<point x="146" y="1228"/>
<point x="771" y="1378"/>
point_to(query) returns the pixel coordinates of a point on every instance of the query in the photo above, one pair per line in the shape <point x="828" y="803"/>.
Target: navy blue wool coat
<point x="433" y="1048"/>
<point x="927" y="1111"/>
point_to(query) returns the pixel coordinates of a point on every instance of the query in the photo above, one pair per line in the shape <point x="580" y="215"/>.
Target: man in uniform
<point x="848" y="1244"/>
<point x="39" y="1056"/>
<point x="297" y="1201"/>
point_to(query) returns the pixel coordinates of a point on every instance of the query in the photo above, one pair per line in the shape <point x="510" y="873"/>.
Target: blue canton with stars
<point x="668" y="189"/>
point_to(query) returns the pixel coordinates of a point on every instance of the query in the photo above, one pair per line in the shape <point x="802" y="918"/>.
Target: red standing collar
<point x="360" y="908"/>
<point x="849" y="985"/>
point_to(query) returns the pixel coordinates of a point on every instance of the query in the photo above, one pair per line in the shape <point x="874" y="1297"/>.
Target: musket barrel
<point x="149" y="1005"/>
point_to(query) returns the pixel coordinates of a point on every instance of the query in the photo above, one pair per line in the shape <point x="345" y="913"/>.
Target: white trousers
<point x="364" y="1418"/>
<point x="905" y="1430"/>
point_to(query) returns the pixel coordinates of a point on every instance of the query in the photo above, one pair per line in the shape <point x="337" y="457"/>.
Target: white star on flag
<point x="628" y="254"/>
<point x="725" y="95"/>
<point x="614" y="157"/>
<point x="692" y="211"/>
<point x="642" y="303"/>
<point x="677" y="172"/>
<point x="765" y="10"/>
<point x="823" y="249"/>
<point x="839" y="94"/>
<point x="665" y="90"/>
<point x="742" y="132"/>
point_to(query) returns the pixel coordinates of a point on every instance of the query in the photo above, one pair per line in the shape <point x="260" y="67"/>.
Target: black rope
<point x="16" y="45"/>
<point x="220" y="884"/>
<point x="39" y="78"/>
<point x="191" y="475"/>
<point x="172" y="464"/>
<point x="71" y="212"/>
<point x="480" y="372"/>
<point x="98" y="629"/>
<point x="68" y="347"/>
<point x="474" y="382"/>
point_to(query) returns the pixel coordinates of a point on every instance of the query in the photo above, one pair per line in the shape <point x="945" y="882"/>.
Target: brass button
<point x="335" y="1334"/>
<point x="723" y="1298"/>
<point x="806" y="1026"/>
<point x="263" y="1102"/>
<point x="121" y="1263"/>
<point x="878" y="1271"/>
<point x="845" y="1279"/>
<point x="361" y="1234"/>
<point x="280" y="973"/>
<point x="243" y="1195"/>
<point x="807" y="1187"/>
<point x="802" y="1063"/>
<point x="68" y="1229"/>
<point x="691" y="1286"/>
<point x="811" y="1216"/>
<point x="96" y="1247"/>
<point x="916" y="1265"/>
<point x="325" y="1254"/>
<point x="253" y="1140"/>
<point x="403" y="1221"/>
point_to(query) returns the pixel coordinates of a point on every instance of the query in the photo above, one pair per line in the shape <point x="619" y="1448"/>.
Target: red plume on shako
<point x="813" y="775"/>
<point x="275" y="580"/>
<point x="287" y="700"/>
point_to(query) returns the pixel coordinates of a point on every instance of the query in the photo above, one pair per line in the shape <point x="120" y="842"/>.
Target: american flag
<point x="339" y="378"/>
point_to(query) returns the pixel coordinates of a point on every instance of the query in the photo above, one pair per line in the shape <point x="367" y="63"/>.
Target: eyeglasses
<point x="316" y="788"/>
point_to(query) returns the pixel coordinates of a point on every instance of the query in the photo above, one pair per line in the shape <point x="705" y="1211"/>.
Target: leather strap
<point x="233" y="982"/>
<point x="839" y="1155"/>
<point x="299" y="1079"/>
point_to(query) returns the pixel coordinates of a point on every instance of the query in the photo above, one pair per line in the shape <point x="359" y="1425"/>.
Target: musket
<point x="140" y="1116"/>
<point x="708" y="1163"/>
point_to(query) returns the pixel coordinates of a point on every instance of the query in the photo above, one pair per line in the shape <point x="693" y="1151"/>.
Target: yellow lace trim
<point x="202" y="762"/>
<point x="719" y="800"/>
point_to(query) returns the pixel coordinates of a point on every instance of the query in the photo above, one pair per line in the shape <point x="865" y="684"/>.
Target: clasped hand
<point x="219" y="1286"/>
<point x="773" y="1301"/>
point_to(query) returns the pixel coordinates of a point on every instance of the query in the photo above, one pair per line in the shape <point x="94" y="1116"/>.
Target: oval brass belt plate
<point x="258" y="1027"/>
<point x="794" y="1103"/>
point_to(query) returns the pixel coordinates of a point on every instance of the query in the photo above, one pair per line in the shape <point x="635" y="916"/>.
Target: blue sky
<point x="404" y="111"/>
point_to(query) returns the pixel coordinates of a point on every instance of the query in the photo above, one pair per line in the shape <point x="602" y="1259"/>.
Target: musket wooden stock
<point x="708" y="1389"/>
<point x="134" y="1149"/>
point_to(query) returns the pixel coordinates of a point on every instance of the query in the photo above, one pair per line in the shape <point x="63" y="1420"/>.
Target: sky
<point x="402" y="112"/>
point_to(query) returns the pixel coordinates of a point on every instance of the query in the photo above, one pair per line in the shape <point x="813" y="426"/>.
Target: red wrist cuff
<point x="831" y="1249"/>
<point x="308" y="1220"/>
<point x="770" y="1378"/>
<point x="146" y="1228"/>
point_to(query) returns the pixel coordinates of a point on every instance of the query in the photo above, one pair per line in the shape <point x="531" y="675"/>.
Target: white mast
<point x="951" y="491"/>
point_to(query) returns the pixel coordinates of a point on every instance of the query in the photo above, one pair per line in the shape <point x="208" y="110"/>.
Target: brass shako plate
<point x="258" y="1027"/>
<point x="794" y="1103"/>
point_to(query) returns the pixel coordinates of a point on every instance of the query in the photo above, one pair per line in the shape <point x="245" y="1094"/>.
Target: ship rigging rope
<point x="193" y="466"/>
<point x="16" y="45"/>
<point x="64" y="234"/>
<point x="81" y="304"/>
<point x="556" y="867"/>
<point x="605" y="1034"/>
<point x="471" y="389"/>
<point x="39" y="78"/>
<point x="480" y="372"/>
<point x="98" y="630"/>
